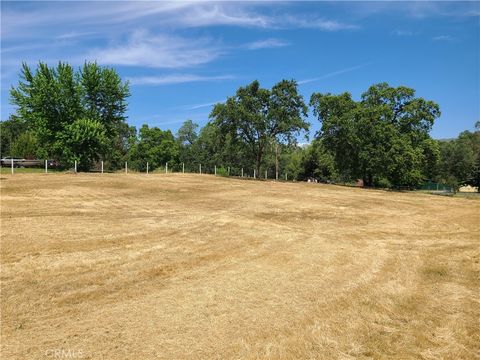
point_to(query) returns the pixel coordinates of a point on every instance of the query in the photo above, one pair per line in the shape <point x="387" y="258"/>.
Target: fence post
<point x="183" y="168"/>
<point x="215" y="169"/>
<point x="254" y="174"/>
<point x="126" y="168"/>
<point x="266" y="175"/>
<point x="147" y="167"/>
<point x="242" y="172"/>
<point x="11" y="161"/>
<point x="102" y="166"/>
<point x="46" y="166"/>
<point x="75" y="166"/>
<point x="200" y="168"/>
<point x="166" y="168"/>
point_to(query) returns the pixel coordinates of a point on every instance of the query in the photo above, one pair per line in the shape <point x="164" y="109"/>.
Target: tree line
<point x="383" y="139"/>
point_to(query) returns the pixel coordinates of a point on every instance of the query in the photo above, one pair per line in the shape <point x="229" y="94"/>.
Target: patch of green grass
<point x="8" y="170"/>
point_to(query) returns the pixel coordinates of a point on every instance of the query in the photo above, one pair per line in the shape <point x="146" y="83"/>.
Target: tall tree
<point x="257" y="116"/>
<point x="103" y="97"/>
<point x="50" y="100"/>
<point x="383" y="137"/>
<point x="187" y="137"/>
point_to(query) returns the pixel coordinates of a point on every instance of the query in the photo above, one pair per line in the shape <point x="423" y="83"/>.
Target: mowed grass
<point x="176" y="266"/>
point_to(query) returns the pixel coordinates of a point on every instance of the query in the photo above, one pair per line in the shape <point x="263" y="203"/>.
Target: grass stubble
<point x="181" y="266"/>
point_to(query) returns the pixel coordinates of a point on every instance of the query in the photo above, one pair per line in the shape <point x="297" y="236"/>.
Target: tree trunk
<point x="367" y="180"/>
<point x="259" y="160"/>
<point x="276" y="161"/>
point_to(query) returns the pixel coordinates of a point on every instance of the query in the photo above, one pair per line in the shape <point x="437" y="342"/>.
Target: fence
<point x="433" y="186"/>
<point x="168" y="168"/>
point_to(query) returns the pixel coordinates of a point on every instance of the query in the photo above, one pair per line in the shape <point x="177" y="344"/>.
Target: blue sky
<point x="181" y="57"/>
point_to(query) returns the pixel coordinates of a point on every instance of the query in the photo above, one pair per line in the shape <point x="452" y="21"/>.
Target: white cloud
<point x="159" y="51"/>
<point x="443" y="38"/>
<point x="199" y="106"/>
<point x="176" y="79"/>
<point x="334" y="73"/>
<point x="75" y="34"/>
<point x="266" y="44"/>
<point x="317" y="23"/>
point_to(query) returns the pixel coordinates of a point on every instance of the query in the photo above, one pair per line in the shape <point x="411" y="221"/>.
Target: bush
<point x="222" y="171"/>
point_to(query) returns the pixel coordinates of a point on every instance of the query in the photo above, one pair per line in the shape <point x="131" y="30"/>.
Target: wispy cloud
<point x="403" y="33"/>
<point x="316" y="23"/>
<point x="447" y="38"/>
<point x="412" y="9"/>
<point x="199" y="106"/>
<point x="334" y="73"/>
<point x="75" y="34"/>
<point x="266" y="44"/>
<point x="175" y="79"/>
<point x="160" y="51"/>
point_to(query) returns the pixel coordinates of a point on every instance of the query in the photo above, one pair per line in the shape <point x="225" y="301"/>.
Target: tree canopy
<point x="58" y="102"/>
<point x="257" y="116"/>
<point x="384" y="137"/>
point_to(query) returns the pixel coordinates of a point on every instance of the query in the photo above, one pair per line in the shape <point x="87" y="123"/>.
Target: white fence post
<point x="102" y="166"/>
<point x="183" y="168"/>
<point x="46" y="166"/>
<point x="166" y="168"/>
<point x="147" y="167"/>
<point x="254" y="174"/>
<point x="126" y="168"/>
<point x="266" y="175"/>
<point x="200" y="168"/>
<point x="242" y="172"/>
<point x="215" y="169"/>
<point x="75" y="166"/>
<point x="11" y="160"/>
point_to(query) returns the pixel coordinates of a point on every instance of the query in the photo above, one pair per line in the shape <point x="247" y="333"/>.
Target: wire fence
<point x="38" y="166"/>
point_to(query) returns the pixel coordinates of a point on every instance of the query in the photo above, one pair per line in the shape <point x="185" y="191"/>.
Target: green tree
<point x="50" y="100"/>
<point x="103" y="97"/>
<point x="25" y="146"/>
<point x="256" y="117"/>
<point x="83" y="141"/>
<point x="187" y="137"/>
<point x="383" y="137"/>
<point x="10" y="130"/>
<point x="317" y="162"/>
<point x="460" y="159"/>
<point x="154" y="146"/>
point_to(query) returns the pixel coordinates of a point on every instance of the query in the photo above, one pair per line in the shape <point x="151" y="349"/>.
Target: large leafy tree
<point x="384" y="137"/>
<point x="256" y="117"/>
<point x="50" y="99"/>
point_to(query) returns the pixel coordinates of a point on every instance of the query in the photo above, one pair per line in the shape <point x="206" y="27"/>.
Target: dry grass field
<point x="199" y="267"/>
